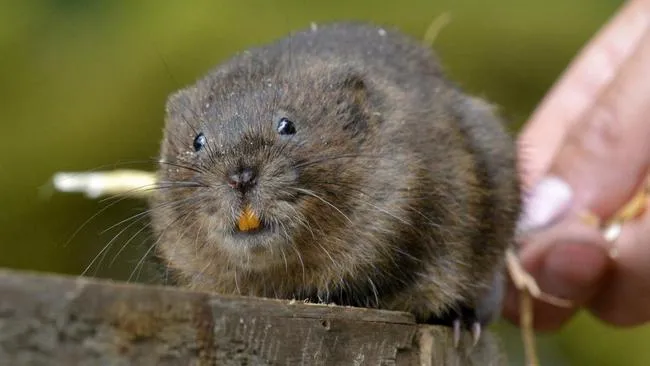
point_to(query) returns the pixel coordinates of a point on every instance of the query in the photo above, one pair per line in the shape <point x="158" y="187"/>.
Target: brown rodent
<point x="377" y="182"/>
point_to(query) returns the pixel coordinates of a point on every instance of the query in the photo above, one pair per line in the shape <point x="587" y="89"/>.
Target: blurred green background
<point x="83" y="85"/>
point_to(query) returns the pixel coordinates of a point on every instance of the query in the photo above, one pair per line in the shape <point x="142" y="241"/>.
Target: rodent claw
<point x="457" y="333"/>
<point x="476" y="330"/>
<point x="476" y="333"/>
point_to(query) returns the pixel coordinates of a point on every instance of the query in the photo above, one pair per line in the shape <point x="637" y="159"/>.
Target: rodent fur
<point x="415" y="190"/>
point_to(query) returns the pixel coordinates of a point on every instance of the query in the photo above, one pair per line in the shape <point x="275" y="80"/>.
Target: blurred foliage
<point x="83" y="85"/>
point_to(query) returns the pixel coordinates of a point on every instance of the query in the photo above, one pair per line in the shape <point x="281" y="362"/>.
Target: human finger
<point x="570" y="260"/>
<point x="594" y="68"/>
<point x="604" y="157"/>
<point x="624" y="298"/>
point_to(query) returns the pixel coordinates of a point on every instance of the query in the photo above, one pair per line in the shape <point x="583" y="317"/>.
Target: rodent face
<point x="272" y="147"/>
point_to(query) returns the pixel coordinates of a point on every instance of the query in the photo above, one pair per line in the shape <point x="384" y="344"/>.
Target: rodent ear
<point x="356" y="89"/>
<point x="177" y="102"/>
<point x="481" y="106"/>
<point x="178" y="111"/>
<point x="354" y="103"/>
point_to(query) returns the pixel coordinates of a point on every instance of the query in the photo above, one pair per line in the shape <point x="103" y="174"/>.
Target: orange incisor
<point x="248" y="220"/>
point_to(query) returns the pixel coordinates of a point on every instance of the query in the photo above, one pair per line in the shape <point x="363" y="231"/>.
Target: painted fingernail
<point x="548" y="201"/>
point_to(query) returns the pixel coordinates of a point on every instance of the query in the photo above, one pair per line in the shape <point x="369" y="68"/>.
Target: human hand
<point x="587" y="149"/>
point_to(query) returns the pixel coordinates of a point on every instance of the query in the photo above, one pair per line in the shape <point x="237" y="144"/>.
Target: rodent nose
<point x="242" y="179"/>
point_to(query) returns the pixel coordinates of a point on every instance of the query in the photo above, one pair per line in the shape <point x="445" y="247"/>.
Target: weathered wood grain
<point x="57" y="320"/>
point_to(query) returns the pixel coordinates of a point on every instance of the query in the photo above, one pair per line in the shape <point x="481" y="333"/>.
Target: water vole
<point x="338" y="165"/>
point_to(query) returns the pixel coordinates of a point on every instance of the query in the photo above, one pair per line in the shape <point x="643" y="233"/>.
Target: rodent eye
<point x="199" y="142"/>
<point x="286" y="127"/>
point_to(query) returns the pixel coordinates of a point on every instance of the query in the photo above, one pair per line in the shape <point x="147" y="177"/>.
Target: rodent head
<point x="288" y="149"/>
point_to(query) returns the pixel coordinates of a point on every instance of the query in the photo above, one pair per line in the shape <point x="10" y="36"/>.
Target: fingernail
<point x="547" y="202"/>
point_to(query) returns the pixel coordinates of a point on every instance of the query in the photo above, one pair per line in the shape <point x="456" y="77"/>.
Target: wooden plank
<point x="58" y="320"/>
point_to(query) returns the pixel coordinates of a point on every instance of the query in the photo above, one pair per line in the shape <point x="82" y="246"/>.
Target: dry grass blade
<point x="436" y="26"/>
<point x="528" y="289"/>
<point x="132" y="183"/>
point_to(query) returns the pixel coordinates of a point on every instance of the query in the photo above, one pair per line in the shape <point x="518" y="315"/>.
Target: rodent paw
<point x="461" y="318"/>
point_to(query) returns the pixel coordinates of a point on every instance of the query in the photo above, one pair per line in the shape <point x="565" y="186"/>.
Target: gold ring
<point x="613" y="231"/>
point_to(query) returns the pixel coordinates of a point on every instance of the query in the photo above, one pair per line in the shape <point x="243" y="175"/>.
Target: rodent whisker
<point x="134" y="189"/>
<point x="178" y="184"/>
<point x="327" y="253"/>
<point x="126" y="243"/>
<point x="385" y="211"/>
<point x="301" y="220"/>
<point x="408" y="208"/>
<point x="143" y="214"/>
<point x="237" y="281"/>
<point x="279" y="150"/>
<point x="304" y="223"/>
<point x="197" y="276"/>
<point x="321" y="159"/>
<point x="334" y="264"/>
<point x="103" y="251"/>
<point x="298" y="217"/>
<point x="379" y="208"/>
<point x="196" y="169"/>
<point x="402" y="220"/>
<point x="425" y="217"/>
<point x="95" y="215"/>
<point x="367" y="202"/>
<point x="284" y="258"/>
<point x="311" y="193"/>
<point x="140" y="262"/>
<point x="197" y="238"/>
<point x="134" y="220"/>
<point x="202" y="123"/>
<point x="292" y="245"/>
<point x="350" y="186"/>
<point x="151" y="187"/>
<point x="374" y="292"/>
<point x="120" y="164"/>
<point x="115" y="198"/>
<point x="160" y="236"/>
<point x="83" y="225"/>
